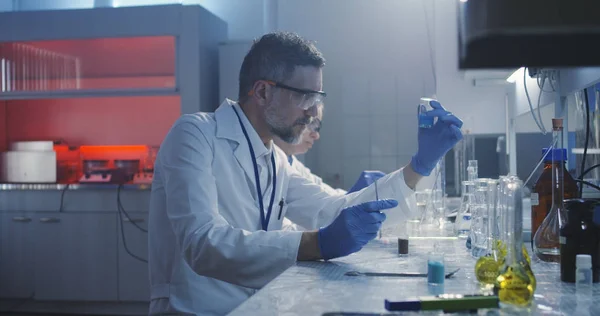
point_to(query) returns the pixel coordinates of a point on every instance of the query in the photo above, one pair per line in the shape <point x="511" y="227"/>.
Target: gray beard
<point x="286" y="134"/>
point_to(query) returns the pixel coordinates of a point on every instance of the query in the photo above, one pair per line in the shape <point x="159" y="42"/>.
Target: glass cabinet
<point x="72" y="66"/>
<point x="106" y="76"/>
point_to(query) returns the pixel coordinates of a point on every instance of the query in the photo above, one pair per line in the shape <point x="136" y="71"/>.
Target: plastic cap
<point x="583" y="261"/>
<point x="557" y="154"/>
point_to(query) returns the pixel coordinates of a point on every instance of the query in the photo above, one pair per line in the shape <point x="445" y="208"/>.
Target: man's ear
<point x="261" y="92"/>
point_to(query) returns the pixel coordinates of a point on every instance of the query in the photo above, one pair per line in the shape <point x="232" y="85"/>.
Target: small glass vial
<point x="472" y="170"/>
<point x="583" y="276"/>
<point x="435" y="268"/>
<point x="403" y="244"/>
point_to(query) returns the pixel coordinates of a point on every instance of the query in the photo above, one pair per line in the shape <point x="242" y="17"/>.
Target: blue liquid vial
<point x="435" y="269"/>
<point x="424" y="120"/>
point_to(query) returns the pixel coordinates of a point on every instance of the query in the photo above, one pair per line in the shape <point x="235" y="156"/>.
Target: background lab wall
<point x="378" y="66"/>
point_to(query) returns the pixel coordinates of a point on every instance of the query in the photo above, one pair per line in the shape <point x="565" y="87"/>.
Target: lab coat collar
<point x="228" y="127"/>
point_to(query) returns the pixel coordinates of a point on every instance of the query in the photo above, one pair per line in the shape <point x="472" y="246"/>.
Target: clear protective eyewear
<point x="314" y="125"/>
<point x="302" y="98"/>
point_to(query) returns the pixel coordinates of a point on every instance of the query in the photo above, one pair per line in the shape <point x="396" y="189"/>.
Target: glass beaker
<point x="438" y="206"/>
<point x="462" y="224"/>
<point x="430" y="218"/>
<point x="413" y="224"/>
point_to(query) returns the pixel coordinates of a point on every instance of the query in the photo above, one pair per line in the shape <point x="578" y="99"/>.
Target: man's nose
<point x="315" y="135"/>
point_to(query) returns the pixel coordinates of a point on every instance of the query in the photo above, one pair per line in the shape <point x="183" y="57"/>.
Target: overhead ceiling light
<point x="517" y="74"/>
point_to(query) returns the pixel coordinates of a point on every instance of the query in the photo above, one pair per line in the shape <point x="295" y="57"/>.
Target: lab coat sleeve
<point x="312" y="207"/>
<point x="208" y="243"/>
<point x="303" y="170"/>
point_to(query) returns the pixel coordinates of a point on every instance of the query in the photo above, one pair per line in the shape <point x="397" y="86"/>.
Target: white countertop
<point x="314" y="288"/>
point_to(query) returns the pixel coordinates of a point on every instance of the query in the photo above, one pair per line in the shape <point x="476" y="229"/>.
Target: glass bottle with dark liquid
<point x="554" y="185"/>
<point x="541" y="200"/>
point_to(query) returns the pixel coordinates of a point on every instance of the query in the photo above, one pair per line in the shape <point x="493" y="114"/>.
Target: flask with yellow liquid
<point x="515" y="283"/>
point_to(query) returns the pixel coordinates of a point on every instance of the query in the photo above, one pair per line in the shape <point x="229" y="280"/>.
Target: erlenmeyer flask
<point x="546" y="240"/>
<point x="515" y="283"/>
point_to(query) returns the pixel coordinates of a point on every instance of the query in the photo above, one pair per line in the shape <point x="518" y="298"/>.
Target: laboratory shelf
<point x="62" y="94"/>
<point x="76" y="186"/>
<point x="112" y="52"/>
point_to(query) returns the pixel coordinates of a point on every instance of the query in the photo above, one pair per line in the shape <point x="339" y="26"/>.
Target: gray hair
<point x="275" y="56"/>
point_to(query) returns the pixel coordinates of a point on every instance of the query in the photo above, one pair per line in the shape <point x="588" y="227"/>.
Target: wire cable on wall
<point x="588" y="170"/>
<point x="539" y="111"/>
<point x="122" y="212"/>
<point x="587" y="140"/>
<point x="537" y="121"/>
<point x="588" y="184"/>
<point x="62" y="198"/>
<point x="546" y="75"/>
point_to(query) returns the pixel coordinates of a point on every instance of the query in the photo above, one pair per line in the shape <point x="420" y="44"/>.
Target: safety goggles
<point x="314" y="125"/>
<point x="302" y="98"/>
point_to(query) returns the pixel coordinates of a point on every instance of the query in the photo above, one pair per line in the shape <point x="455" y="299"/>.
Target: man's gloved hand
<point x="436" y="141"/>
<point x="366" y="179"/>
<point x="353" y="228"/>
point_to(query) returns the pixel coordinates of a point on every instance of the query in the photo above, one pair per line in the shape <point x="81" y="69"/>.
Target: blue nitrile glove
<point x="366" y="179"/>
<point x="435" y="142"/>
<point x="353" y="228"/>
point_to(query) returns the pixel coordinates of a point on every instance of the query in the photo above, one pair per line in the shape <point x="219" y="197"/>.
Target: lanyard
<point x="264" y="220"/>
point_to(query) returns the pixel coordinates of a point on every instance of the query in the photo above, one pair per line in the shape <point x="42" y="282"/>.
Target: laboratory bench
<point x="61" y="246"/>
<point x="317" y="288"/>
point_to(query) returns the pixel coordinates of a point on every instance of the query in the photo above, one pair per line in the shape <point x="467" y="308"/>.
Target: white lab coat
<point x="207" y="252"/>
<point x="305" y="172"/>
<point x="299" y="167"/>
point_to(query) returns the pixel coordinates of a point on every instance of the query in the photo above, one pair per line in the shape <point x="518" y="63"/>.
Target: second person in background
<point x="311" y="134"/>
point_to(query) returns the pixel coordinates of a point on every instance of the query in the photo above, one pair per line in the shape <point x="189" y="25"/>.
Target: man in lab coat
<point x="221" y="189"/>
